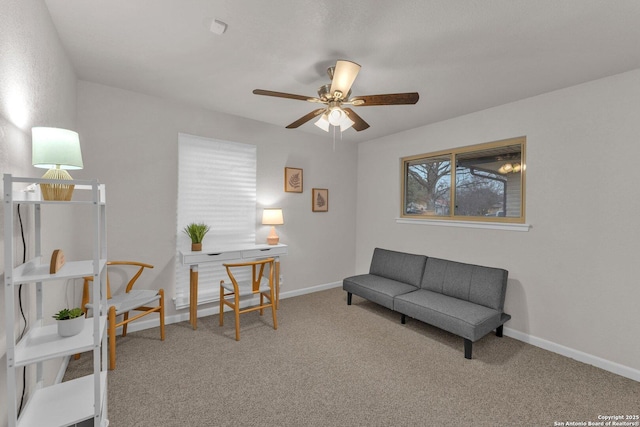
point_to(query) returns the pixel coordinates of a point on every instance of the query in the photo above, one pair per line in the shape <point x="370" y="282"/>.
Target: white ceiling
<point x="460" y="55"/>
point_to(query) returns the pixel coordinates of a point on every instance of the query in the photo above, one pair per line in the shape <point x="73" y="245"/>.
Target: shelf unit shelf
<point x="63" y="404"/>
<point x="37" y="270"/>
<point x="43" y="343"/>
<point x="70" y="402"/>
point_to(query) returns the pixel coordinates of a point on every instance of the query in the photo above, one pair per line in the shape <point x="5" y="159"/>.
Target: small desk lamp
<point x="57" y="150"/>
<point x="272" y="217"/>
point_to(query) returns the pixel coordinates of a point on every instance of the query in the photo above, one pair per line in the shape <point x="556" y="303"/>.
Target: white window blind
<point x="217" y="186"/>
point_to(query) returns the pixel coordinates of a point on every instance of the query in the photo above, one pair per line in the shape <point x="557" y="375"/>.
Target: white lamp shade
<point x="323" y="123"/>
<point x="272" y="216"/>
<point x="54" y="147"/>
<point x="343" y="76"/>
<point x="346" y="123"/>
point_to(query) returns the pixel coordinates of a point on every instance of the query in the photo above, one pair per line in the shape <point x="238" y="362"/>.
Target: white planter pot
<point x="70" y="327"/>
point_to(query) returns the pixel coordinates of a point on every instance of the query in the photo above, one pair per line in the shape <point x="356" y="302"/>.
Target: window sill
<point x="466" y="224"/>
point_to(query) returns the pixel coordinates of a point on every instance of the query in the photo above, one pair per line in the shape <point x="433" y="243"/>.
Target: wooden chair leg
<point x="273" y="311"/>
<point x="221" y="321"/>
<point x="112" y="338"/>
<point x="161" y="292"/>
<point x="124" y="325"/>
<point x="261" y="304"/>
<point x="236" y="309"/>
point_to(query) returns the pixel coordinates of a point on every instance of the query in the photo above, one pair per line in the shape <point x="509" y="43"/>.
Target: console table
<point x="228" y="253"/>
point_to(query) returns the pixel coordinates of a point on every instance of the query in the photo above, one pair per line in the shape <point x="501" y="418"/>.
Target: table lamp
<point x="272" y="217"/>
<point x="57" y="150"/>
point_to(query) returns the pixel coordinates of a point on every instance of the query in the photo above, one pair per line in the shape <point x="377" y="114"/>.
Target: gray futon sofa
<point x="464" y="299"/>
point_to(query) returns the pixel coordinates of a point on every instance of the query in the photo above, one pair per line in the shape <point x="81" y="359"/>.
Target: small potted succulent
<point x="196" y="232"/>
<point x="70" y="321"/>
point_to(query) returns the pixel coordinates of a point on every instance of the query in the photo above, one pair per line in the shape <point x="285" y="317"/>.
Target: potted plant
<point x="70" y="321"/>
<point x="196" y="232"/>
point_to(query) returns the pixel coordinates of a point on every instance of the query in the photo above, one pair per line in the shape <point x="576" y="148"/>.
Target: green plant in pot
<point x="196" y="232"/>
<point x="70" y="321"/>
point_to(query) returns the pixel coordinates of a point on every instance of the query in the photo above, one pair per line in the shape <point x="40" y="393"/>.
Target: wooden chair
<point x="142" y="300"/>
<point x="258" y="284"/>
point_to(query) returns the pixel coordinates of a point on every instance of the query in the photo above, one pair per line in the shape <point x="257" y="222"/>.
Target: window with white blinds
<point x="217" y="186"/>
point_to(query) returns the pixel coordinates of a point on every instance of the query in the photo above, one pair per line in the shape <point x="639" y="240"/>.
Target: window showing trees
<point x="486" y="184"/>
<point x="428" y="186"/>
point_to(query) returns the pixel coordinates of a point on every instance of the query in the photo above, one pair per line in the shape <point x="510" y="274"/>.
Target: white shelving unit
<point x="70" y="402"/>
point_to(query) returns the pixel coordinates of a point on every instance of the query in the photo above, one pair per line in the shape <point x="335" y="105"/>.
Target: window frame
<point x="405" y="162"/>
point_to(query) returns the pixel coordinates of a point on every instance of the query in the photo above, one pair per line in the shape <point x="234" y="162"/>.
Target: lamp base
<point x="273" y="238"/>
<point x="57" y="191"/>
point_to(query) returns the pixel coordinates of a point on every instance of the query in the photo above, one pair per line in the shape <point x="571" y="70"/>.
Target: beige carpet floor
<point x="330" y="364"/>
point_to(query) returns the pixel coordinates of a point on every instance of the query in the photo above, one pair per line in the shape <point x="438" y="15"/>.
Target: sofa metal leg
<point x="349" y="295"/>
<point x="403" y="319"/>
<point x="467" y="348"/>
<point x="499" y="330"/>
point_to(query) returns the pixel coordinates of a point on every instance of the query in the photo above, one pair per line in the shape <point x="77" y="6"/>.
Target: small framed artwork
<point x="320" y="200"/>
<point x="293" y="180"/>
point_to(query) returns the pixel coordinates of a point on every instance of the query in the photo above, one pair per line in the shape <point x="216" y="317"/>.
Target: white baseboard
<point x="578" y="355"/>
<point x="153" y="322"/>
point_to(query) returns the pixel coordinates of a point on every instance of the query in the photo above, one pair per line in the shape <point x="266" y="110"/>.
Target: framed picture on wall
<point x="320" y="200"/>
<point x="293" y="180"/>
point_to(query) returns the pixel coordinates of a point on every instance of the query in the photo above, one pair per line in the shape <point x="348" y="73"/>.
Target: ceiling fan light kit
<point x="337" y="94"/>
<point x="336" y="116"/>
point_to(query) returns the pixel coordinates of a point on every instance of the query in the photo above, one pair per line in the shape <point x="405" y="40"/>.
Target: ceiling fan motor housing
<point x="324" y="93"/>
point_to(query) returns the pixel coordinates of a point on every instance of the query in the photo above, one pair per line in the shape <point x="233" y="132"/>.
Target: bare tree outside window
<point x="429" y="187"/>
<point x="479" y="193"/>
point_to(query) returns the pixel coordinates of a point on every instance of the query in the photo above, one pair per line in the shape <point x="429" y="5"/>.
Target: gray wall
<point x="131" y="146"/>
<point x="573" y="276"/>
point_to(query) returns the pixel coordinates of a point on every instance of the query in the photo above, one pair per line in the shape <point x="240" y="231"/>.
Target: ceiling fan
<point x="336" y="95"/>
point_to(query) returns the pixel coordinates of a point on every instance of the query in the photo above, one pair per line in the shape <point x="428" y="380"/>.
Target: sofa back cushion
<point x="486" y="286"/>
<point x="400" y="266"/>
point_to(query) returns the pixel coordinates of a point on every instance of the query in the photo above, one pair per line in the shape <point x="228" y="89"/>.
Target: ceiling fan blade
<point x="387" y="99"/>
<point x="281" y="94"/>
<point x="343" y="76"/>
<point x="304" y="119"/>
<point x="358" y="124"/>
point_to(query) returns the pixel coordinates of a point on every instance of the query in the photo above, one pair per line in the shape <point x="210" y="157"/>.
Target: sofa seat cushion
<point x="463" y="318"/>
<point x="376" y="289"/>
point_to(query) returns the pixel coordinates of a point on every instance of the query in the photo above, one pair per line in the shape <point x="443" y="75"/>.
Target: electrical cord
<point x="24" y="259"/>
